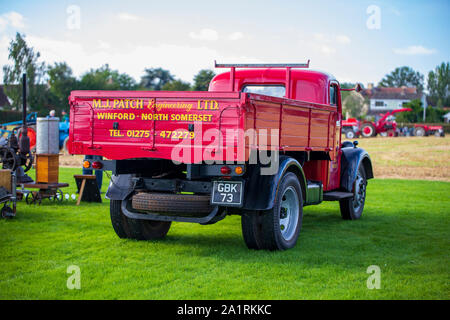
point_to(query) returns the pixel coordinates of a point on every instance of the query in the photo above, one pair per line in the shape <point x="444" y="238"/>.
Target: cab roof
<point x="306" y="85"/>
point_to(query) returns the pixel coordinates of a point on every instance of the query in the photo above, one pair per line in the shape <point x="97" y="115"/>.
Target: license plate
<point x="227" y="193"/>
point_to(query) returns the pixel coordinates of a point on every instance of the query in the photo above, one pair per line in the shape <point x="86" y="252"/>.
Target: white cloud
<point x="12" y="19"/>
<point x="128" y="17"/>
<point x="236" y="36"/>
<point x="342" y="39"/>
<point x="182" y="60"/>
<point x="104" y="45"/>
<point x="205" y="34"/>
<point x="414" y="50"/>
<point x="327" y="49"/>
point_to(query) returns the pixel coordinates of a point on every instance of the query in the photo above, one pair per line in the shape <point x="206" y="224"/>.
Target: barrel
<point x="47" y="139"/>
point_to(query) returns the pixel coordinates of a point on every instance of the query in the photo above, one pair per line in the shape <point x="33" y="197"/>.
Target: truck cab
<point x="262" y="143"/>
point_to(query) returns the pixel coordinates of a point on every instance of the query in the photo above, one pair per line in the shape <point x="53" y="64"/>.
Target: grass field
<point x="404" y="231"/>
<point x="410" y="157"/>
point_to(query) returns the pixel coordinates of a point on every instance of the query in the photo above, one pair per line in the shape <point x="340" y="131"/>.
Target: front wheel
<point x="352" y="208"/>
<point x="350" y="134"/>
<point x="419" y="132"/>
<point x="281" y="225"/>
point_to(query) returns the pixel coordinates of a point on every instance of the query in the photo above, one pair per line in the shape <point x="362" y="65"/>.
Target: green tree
<point x="104" y="78"/>
<point x="438" y="85"/>
<point x="202" y="80"/>
<point x="403" y="76"/>
<point x="62" y="82"/>
<point x="354" y="105"/>
<point x="177" y="85"/>
<point x="25" y="60"/>
<point x="414" y="116"/>
<point x="155" y="78"/>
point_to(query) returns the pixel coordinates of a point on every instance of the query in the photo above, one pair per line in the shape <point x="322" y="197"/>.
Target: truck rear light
<point x="97" y="165"/>
<point x="238" y="170"/>
<point x="86" y="164"/>
<point x="225" y="170"/>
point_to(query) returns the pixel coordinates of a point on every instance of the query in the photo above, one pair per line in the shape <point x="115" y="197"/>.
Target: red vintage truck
<point x="263" y="142"/>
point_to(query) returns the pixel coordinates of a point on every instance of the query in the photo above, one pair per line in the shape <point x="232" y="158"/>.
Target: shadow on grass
<point x="325" y="239"/>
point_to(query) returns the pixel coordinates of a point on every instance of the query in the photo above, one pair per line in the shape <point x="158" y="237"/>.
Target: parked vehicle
<point x="263" y="142"/>
<point x="350" y="128"/>
<point x="384" y="126"/>
<point x="422" y="130"/>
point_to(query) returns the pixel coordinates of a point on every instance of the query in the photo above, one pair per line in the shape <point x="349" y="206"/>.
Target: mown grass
<point x="404" y="230"/>
<point x="410" y="157"/>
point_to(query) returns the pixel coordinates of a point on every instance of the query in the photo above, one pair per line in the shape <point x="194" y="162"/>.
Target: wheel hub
<point x="360" y="192"/>
<point x="289" y="212"/>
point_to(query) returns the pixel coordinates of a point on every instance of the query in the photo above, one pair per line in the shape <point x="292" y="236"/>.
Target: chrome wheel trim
<point x="289" y="213"/>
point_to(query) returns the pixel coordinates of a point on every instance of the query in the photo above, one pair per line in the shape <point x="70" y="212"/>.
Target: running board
<point x="336" y="195"/>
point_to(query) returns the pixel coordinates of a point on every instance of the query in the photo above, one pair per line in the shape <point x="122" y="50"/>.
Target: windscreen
<point x="268" y="90"/>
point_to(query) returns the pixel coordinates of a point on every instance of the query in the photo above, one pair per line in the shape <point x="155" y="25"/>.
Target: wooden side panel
<point x="294" y="127"/>
<point x="319" y="129"/>
<point x="302" y="127"/>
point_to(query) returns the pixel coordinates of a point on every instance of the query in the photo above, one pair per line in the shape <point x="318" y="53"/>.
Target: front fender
<point x="261" y="190"/>
<point x="351" y="159"/>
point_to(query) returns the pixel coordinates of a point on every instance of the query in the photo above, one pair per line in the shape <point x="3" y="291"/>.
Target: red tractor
<point x="421" y="130"/>
<point x="385" y="126"/>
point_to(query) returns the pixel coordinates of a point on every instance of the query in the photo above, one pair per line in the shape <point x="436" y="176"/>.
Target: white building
<point x="383" y="99"/>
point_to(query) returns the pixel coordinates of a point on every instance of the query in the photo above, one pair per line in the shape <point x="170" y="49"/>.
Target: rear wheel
<point x="148" y="229"/>
<point x="119" y="221"/>
<point x="251" y="229"/>
<point x="367" y="130"/>
<point x="352" y="208"/>
<point x="280" y="226"/>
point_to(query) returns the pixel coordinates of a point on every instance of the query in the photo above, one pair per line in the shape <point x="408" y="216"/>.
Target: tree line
<point x="438" y="87"/>
<point x="50" y="85"/>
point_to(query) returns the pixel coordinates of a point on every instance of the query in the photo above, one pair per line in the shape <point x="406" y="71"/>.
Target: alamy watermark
<point x="374" y="280"/>
<point x="216" y="146"/>
<point x="74" y="280"/>
<point x="73" y="21"/>
<point x="373" y="22"/>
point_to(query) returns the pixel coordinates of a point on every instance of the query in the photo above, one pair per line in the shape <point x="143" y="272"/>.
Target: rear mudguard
<point x="351" y="159"/>
<point x="261" y="190"/>
<point x="120" y="186"/>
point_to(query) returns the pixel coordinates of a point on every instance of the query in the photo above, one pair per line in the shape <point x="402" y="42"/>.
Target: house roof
<point x="402" y="93"/>
<point x="3" y="98"/>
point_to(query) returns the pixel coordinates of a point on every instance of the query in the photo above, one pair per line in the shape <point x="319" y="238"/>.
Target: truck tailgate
<point x="140" y="124"/>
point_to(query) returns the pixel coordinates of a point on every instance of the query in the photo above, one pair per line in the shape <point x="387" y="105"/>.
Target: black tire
<point x="368" y="130"/>
<point x="271" y="228"/>
<point x="148" y="229"/>
<point x="352" y="208"/>
<point x="251" y="229"/>
<point x="119" y="221"/>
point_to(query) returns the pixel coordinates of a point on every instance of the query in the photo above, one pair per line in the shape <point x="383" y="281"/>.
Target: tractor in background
<point x="384" y="126"/>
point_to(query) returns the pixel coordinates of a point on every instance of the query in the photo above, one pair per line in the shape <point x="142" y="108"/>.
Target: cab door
<point x="335" y="140"/>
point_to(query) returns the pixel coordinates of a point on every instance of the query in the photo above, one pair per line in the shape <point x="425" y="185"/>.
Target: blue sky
<point x="354" y="40"/>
